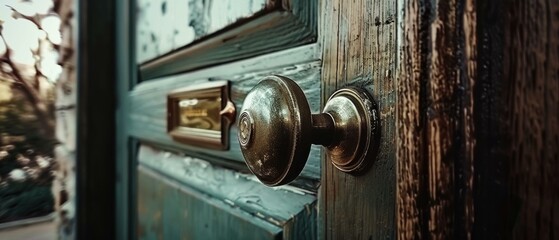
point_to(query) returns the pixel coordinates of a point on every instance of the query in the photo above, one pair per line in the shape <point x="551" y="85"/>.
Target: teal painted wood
<point x="147" y="117"/>
<point x="125" y="165"/>
<point x="304" y="225"/>
<point x="291" y="208"/>
<point x="286" y="24"/>
<point x="296" y="218"/>
<point x="170" y="210"/>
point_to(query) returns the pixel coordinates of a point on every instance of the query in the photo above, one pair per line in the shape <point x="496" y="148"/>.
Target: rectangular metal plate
<point x="201" y="115"/>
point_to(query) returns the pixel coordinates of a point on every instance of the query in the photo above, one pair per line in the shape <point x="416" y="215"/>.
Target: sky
<point x="27" y="40"/>
<point x="30" y="43"/>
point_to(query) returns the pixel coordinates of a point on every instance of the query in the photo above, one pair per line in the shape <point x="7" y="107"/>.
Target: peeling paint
<point x="229" y="202"/>
<point x="165" y="25"/>
<point x="235" y="189"/>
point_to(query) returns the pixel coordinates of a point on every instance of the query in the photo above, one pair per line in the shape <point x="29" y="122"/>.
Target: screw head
<point x="245" y="129"/>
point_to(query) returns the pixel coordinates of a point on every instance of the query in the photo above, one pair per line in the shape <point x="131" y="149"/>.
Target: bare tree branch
<point x="32" y="94"/>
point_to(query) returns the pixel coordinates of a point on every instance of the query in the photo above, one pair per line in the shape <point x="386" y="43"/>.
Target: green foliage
<point x="24" y="200"/>
<point x="17" y="121"/>
<point x="20" y="136"/>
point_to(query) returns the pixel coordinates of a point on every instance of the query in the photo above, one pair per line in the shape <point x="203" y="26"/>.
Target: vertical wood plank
<point x="470" y="46"/>
<point x="516" y="155"/>
<point x="530" y="96"/>
<point x="409" y="169"/>
<point x="477" y="120"/>
<point x="490" y="181"/>
<point x="435" y="120"/>
<point x="359" y="43"/>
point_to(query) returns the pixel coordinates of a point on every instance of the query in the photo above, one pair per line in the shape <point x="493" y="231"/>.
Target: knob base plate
<point x="356" y="123"/>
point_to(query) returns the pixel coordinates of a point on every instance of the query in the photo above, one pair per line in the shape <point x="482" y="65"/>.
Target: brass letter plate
<point x="201" y="115"/>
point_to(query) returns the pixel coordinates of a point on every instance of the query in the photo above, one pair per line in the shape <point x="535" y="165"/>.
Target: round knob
<point x="276" y="130"/>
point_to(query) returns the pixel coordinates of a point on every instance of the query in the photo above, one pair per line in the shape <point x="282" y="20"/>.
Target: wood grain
<point x="410" y="171"/>
<point x="476" y="116"/>
<point x="530" y="97"/>
<point x="435" y="120"/>
<point x="359" y="43"/>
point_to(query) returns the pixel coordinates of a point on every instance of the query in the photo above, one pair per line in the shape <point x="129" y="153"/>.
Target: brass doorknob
<point x="276" y="130"/>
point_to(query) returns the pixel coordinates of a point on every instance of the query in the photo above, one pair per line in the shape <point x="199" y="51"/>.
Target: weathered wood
<point x="477" y="110"/>
<point x="165" y="25"/>
<point x="282" y="25"/>
<point x="409" y="131"/>
<point x="147" y="117"/>
<point x="165" y="205"/>
<point x="491" y="216"/>
<point x="529" y="93"/>
<point x="474" y="106"/>
<point x="359" y="42"/>
<point x="141" y="115"/>
<point x="287" y="207"/>
<point x="435" y="120"/>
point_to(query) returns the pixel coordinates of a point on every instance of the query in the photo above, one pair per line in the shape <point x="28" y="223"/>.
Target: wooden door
<point x="467" y="94"/>
<point x="175" y="190"/>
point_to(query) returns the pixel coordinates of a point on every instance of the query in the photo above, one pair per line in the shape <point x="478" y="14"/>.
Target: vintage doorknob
<point x="276" y="130"/>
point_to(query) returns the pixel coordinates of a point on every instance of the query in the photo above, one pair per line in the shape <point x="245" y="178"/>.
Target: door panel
<point x="165" y="25"/>
<point x="290" y="209"/>
<point x="172" y="210"/>
<point x="201" y="33"/>
<point x="287" y="208"/>
<point x="183" y="191"/>
<point x="148" y="113"/>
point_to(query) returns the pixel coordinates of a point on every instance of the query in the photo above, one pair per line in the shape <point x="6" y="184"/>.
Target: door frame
<point x="126" y="75"/>
<point x="96" y="104"/>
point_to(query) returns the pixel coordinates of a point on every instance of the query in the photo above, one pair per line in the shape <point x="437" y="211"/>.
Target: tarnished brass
<point x="276" y="130"/>
<point x="356" y="118"/>
<point x="201" y="115"/>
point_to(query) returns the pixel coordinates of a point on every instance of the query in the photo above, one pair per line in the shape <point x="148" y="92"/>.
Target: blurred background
<point x="37" y="120"/>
